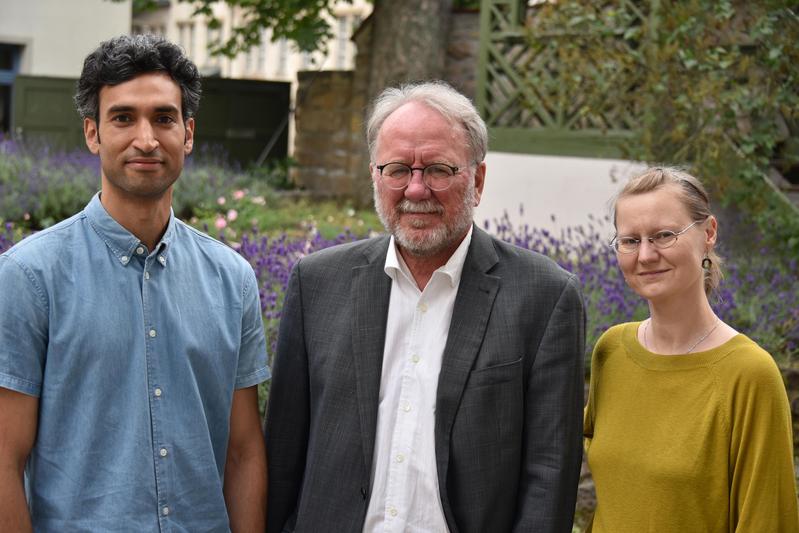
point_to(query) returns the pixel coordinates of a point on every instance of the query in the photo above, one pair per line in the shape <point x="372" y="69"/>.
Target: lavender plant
<point x="6" y="237"/>
<point x="40" y="185"/>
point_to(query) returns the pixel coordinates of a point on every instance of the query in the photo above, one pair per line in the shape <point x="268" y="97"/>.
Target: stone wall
<point x="323" y="145"/>
<point x="329" y="146"/>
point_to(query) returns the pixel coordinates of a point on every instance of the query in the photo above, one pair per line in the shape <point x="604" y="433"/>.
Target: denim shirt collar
<point x="122" y="243"/>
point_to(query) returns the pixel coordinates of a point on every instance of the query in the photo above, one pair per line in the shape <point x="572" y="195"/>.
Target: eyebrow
<point x="129" y="108"/>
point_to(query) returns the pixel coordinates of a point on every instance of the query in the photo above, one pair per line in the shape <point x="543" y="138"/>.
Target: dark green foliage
<point x="711" y="85"/>
<point x="300" y="21"/>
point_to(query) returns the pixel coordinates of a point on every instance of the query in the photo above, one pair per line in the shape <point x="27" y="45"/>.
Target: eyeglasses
<point x="438" y="176"/>
<point x="660" y="240"/>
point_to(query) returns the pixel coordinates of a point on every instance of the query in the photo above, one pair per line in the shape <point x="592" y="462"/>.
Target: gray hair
<point x="438" y="95"/>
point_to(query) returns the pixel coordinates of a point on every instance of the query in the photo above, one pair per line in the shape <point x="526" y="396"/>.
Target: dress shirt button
<point x="146" y="275"/>
<point x="152" y="333"/>
<point x="392" y="511"/>
<point x="124" y="259"/>
<point x="406" y="407"/>
<point x="400" y="457"/>
<point x="423" y="307"/>
<point x="162" y="452"/>
<point x="140" y="250"/>
<point x="158" y="392"/>
<point x="415" y="358"/>
<point x="162" y="259"/>
<point x="165" y="511"/>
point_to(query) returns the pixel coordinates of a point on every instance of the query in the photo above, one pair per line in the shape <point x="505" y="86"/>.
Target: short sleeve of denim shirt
<point x="23" y="328"/>
<point x="253" y="367"/>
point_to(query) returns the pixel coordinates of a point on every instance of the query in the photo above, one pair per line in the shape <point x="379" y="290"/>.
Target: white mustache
<point x="426" y="206"/>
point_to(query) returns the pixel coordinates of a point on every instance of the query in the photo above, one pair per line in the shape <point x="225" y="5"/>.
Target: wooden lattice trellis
<point x="522" y="91"/>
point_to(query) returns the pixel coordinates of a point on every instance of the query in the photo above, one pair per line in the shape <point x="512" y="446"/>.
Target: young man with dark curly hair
<point x="130" y="344"/>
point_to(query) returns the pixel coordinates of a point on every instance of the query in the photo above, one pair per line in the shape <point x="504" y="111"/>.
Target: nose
<point x="647" y="253"/>
<point x="416" y="189"/>
<point x="145" y="139"/>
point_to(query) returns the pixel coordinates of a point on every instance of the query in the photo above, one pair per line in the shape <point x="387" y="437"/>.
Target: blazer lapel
<point x="369" y="298"/>
<point x="473" y="304"/>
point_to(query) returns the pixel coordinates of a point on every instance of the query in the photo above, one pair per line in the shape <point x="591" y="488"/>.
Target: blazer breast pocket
<point x="491" y="375"/>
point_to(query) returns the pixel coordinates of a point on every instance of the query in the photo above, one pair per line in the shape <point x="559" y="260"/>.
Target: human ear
<point x="711" y="232"/>
<point x="479" y="182"/>
<point x="92" y="135"/>
<point x="374" y="174"/>
<point x="188" y="142"/>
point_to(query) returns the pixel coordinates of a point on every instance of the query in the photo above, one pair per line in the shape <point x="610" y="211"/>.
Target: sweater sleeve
<point x="762" y="480"/>
<point x="608" y="342"/>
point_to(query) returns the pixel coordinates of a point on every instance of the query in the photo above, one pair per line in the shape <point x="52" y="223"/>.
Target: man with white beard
<point x="430" y="379"/>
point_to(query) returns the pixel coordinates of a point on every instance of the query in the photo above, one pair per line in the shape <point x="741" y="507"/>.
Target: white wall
<point x="567" y="187"/>
<point x="58" y="34"/>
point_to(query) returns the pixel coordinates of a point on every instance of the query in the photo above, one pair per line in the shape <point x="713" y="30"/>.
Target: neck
<point x="146" y="218"/>
<point x="423" y="266"/>
<point x="674" y="327"/>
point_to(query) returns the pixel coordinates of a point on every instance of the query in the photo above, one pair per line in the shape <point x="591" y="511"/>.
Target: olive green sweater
<point x="694" y="443"/>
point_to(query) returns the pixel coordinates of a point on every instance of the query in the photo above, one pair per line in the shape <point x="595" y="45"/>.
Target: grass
<point x="273" y="213"/>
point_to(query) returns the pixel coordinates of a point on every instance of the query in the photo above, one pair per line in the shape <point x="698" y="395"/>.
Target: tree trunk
<point x="409" y="42"/>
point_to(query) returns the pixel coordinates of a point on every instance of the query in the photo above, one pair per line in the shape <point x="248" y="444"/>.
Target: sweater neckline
<point x="655" y="361"/>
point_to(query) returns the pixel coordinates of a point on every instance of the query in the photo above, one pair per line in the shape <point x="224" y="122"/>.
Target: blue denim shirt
<point x="134" y="355"/>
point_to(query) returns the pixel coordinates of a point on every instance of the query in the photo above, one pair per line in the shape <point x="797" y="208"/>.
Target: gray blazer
<point x="508" y="429"/>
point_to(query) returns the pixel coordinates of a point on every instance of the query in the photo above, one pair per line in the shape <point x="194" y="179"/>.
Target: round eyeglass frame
<point x="425" y="175"/>
<point x="653" y="240"/>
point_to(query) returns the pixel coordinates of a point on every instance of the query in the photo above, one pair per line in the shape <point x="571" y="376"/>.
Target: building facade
<point x="273" y="60"/>
<point x="51" y="38"/>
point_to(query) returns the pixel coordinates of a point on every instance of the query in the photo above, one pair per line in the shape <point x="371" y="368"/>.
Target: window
<point x="342" y="38"/>
<point x="9" y="66"/>
<point x="283" y="56"/>
<point x="186" y="37"/>
<point x="214" y="39"/>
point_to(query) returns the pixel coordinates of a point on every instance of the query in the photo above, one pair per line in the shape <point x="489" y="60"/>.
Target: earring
<point x="707" y="264"/>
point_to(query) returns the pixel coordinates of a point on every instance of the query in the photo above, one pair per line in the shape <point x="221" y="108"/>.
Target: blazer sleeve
<point x="553" y="427"/>
<point x="287" y="417"/>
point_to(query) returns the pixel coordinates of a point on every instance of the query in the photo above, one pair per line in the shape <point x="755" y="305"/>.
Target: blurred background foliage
<point x="714" y="83"/>
<point x="274" y="228"/>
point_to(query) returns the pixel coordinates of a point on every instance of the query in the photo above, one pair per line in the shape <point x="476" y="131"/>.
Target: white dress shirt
<point x="405" y="495"/>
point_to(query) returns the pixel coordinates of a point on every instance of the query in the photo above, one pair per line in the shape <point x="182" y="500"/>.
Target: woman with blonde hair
<point x="687" y="426"/>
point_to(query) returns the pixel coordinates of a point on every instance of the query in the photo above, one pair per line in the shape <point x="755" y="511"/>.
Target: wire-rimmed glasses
<point x="437" y="177"/>
<point x="660" y="240"/>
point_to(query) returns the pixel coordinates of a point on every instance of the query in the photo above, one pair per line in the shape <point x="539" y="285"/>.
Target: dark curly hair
<point x="122" y="58"/>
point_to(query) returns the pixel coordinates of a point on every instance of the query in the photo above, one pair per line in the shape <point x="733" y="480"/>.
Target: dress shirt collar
<point x="122" y="243"/>
<point x="452" y="269"/>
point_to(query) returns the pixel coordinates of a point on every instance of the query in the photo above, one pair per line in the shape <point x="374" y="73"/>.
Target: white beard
<point x="418" y="241"/>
